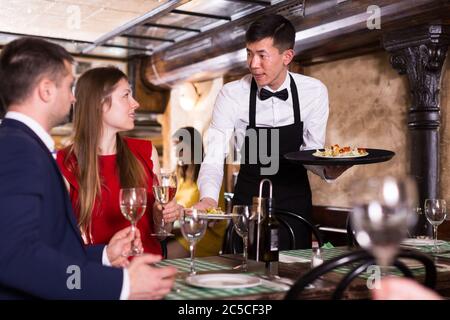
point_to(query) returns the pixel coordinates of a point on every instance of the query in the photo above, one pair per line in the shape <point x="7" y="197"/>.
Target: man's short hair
<point x="23" y="62"/>
<point x="272" y="26"/>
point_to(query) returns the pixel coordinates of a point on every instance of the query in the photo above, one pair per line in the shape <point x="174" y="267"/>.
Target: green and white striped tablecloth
<point x="330" y="253"/>
<point x="444" y="250"/>
<point x="183" y="291"/>
<point x="183" y="265"/>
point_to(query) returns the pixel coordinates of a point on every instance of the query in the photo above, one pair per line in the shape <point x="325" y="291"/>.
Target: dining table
<point x="291" y="266"/>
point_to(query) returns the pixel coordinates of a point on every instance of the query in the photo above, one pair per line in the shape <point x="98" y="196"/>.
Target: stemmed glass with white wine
<point x="193" y="228"/>
<point x="381" y="215"/>
<point x="436" y="212"/>
<point x="133" y="202"/>
<point x="164" y="190"/>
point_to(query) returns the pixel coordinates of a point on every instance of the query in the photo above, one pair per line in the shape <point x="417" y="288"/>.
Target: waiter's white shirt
<point x="231" y="117"/>
<point x="50" y="144"/>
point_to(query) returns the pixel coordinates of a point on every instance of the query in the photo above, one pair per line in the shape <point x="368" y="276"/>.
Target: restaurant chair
<point x="288" y="220"/>
<point x="232" y="242"/>
<point x="351" y="240"/>
<point x="359" y="261"/>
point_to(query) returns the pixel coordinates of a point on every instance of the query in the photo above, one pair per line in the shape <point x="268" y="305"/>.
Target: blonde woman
<point x="100" y="161"/>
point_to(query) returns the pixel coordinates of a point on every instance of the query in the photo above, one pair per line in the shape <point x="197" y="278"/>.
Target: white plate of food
<point x="223" y="281"/>
<point x="338" y="152"/>
<point x="215" y="214"/>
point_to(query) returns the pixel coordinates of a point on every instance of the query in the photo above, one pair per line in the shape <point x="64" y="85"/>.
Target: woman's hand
<point x="170" y="212"/>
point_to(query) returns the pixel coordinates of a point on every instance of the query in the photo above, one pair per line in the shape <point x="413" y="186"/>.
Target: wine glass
<point x="435" y="211"/>
<point x="193" y="228"/>
<point x="133" y="202"/>
<point x="164" y="190"/>
<point x="381" y="215"/>
<point x="241" y="216"/>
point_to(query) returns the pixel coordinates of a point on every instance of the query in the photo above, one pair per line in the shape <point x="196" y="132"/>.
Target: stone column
<point x="420" y="52"/>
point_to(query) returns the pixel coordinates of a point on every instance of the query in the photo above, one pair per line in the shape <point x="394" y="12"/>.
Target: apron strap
<point x="252" y="109"/>
<point x="295" y="101"/>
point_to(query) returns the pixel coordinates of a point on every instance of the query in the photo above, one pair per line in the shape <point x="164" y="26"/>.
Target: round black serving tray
<point x="306" y="157"/>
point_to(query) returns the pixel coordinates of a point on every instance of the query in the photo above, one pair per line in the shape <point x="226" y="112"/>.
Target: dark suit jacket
<point x="40" y="244"/>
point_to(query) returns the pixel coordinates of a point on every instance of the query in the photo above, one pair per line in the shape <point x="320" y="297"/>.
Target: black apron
<point x="291" y="189"/>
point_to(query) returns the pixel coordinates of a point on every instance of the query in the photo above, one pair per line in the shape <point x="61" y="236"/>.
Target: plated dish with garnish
<point x="336" y="151"/>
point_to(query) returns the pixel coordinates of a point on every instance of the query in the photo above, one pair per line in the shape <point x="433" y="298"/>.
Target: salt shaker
<point x="316" y="259"/>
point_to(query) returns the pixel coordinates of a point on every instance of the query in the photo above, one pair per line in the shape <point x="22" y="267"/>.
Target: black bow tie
<point x="266" y="94"/>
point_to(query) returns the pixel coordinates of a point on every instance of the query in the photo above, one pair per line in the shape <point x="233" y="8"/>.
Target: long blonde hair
<point x="93" y="90"/>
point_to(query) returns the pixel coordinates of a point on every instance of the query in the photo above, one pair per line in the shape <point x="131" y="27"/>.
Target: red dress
<point x="106" y="217"/>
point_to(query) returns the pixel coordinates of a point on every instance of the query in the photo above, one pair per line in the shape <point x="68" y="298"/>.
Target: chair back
<point x="232" y="242"/>
<point x="163" y="244"/>
<point x="288" y="222"/>
<point x="351" y="241"/>
<point x="360" y="260"/>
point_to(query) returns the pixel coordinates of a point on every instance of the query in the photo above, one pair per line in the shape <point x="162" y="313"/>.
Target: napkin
<point x="290" y="259"/>
<point x="327" y="245"/>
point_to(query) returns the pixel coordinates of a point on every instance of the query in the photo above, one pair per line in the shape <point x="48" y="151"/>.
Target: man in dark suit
<point x="41" y="251"/>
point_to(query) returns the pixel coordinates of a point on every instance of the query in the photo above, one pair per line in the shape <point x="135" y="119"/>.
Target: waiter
<point x="269" y="113"/>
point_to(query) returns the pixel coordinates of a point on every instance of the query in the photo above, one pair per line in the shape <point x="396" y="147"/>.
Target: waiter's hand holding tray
<point x="340" y="156"/>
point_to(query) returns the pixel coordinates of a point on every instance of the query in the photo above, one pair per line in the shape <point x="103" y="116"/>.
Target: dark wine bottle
<point x="270" y="230"/>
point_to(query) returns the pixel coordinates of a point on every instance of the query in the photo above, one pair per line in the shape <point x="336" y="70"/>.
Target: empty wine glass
<point x="193" y="228"/>
<point x="133" y="202"/>
<point x="436" y="212"/>
<point x="241" y="216"/>
<point x="164" y="190"/>
<point x="381" y="215"/>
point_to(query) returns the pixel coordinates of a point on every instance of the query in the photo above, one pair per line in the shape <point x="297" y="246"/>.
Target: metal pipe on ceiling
<point x="214" y="53"/>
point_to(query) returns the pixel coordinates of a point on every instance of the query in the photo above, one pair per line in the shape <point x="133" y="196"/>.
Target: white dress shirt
<point x="34" y="126"/>
<point x="50" y="144"/>
<point x="231" y="117"/>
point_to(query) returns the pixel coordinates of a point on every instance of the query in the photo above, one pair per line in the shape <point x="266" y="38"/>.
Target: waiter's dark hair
<point x="23" y="62"/>
<point x="272" y="26"/>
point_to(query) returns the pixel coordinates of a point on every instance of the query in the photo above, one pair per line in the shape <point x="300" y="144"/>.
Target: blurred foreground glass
<point x="436" y="212"/>
<point x="193" y="228"/>
<point x="133" y="202"/>
<point x="383" y="211"/>
<point x="164" y="190"/>
<point x="241" y="216"/>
